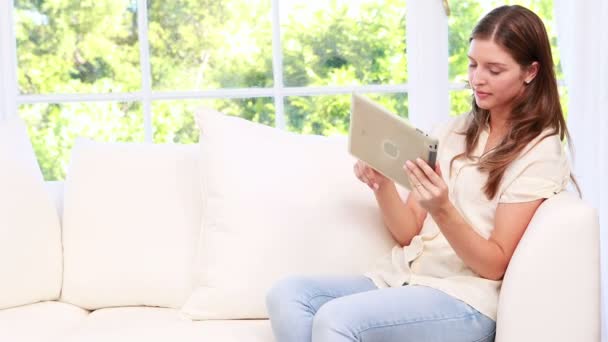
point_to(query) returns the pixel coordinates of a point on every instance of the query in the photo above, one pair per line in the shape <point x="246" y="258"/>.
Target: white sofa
<point x="550" y="292"/>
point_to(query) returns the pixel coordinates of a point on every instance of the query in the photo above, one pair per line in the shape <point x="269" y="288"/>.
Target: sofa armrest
<point x="55" y="189"/>
<point x="551" y="289"/>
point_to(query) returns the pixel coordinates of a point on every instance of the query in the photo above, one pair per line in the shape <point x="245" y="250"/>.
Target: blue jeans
<point x="352" y="308"/>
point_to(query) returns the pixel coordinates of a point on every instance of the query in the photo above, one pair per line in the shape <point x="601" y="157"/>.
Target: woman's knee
<point x="284" y="290"/>
<point x="333" y="319"/>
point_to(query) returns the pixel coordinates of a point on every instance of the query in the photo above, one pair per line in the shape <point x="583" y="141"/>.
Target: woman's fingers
<point x="362" y="172"/>
<point x="428" y="171"/>
<point x="417" y="186"/>
<point x="418" y="180"/>
<point x="420" y="176"/>
<point x="372" y="177"/>
<point x="369" y="175"/>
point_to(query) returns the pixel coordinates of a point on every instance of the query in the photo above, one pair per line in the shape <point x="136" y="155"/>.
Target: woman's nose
<point x="476" y="78"/>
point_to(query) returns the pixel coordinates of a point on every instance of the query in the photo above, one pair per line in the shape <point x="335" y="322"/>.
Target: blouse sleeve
<point x="541" y="172"/>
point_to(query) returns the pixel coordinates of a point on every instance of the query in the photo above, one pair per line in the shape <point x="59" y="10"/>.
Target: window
<point x="340" y="43"/>
<point x="136" y="70"/>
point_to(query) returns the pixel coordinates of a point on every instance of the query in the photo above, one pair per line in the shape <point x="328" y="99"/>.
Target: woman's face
<point x="496" y="78"/>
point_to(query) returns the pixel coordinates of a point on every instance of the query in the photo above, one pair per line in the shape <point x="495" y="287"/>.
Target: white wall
<point x="583" y="41"/>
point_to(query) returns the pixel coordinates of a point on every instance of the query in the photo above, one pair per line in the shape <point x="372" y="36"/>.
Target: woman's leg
<point x="293" y="301"/>
<point x="407" y="313"/>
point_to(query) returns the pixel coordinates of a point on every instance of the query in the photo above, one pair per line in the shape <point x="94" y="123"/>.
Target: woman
<point x="460" y="224"/>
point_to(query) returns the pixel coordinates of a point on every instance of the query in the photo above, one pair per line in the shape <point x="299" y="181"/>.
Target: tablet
<point x="384" y="141"/>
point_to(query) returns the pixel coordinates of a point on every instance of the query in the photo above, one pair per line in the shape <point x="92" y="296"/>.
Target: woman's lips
<point x="481" y="95"/>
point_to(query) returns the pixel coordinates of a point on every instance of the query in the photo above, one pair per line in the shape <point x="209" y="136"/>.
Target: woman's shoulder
<point x="542" y="170"/>
<point x="544" y="155"/>
<point x="546" y="144"/>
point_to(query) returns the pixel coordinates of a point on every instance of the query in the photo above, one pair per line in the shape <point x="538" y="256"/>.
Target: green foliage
<point x="68" y="46"/>
<point x="460" y="102"/>
<point x="329" y="115"/>
<point x="53" y="129"/>
<point x="198" y="44"/>
<point x="85" y="46"/>
<point x="173" y="121"/>
<point x="341" y="43"/>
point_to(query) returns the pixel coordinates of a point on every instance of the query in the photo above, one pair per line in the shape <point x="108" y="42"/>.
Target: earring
<point x="527" y="81"/>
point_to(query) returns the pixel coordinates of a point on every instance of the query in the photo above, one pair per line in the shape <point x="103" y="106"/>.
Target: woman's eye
<point x="494" y="72"/>
<point x="472" y="65"/>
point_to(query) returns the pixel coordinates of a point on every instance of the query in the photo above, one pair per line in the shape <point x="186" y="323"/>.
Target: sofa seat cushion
<point x="44" y="321"/>
<point x="161" y="324"/>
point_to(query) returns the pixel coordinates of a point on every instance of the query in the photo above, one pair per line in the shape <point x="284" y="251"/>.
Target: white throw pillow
<point x="30" y="233"/>
<point x="130" y="224"/>
<point x="276" y="203"/>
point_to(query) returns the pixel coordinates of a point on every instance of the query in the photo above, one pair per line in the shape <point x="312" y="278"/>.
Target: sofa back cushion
<point x="130" y="222"/>
<point x="276" y="203"/>
<point x="30" y="234"/>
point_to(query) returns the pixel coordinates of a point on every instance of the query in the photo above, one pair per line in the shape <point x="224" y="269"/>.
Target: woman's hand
<point x="374" y="179"/>
<point x="428" y="185"/>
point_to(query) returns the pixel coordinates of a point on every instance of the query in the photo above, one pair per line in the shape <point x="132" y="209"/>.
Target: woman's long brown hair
<point x="522" y="34"/>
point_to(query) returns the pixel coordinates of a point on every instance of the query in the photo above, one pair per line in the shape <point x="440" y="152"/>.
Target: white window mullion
<point x="427" y="58"/>
<point x="146" y="69"/>
<point x="8" y="61"/>
<point x="277" y="66"/>
<point x="222" y="93"/>
<point x="337" y="90"/>
<point x="79" y="97"/>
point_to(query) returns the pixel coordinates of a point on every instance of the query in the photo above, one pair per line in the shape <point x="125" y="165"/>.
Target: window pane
<point x="344" y="42"/>
<point x="210" y="44"/>
<point x="460" y="101"/>
<point x="54" y="127"/>
<point x="466" y="13"/>
<point x="173" y="121"/>
<point x="564" y="99"/>
<point x="75" y="46"/>
<point x="330" y="114"/>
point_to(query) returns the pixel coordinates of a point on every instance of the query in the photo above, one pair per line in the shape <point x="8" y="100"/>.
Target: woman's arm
<point x="488" y="258"/>
<point x="403" y="220"/>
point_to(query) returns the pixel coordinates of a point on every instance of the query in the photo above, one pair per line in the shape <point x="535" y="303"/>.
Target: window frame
<point x="8" y="62"/>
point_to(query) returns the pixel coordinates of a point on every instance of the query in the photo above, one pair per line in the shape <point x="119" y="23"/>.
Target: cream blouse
<point x="541" y="170"/>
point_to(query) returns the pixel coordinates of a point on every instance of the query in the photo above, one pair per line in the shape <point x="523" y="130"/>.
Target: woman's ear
<point x="531" y="72"/>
